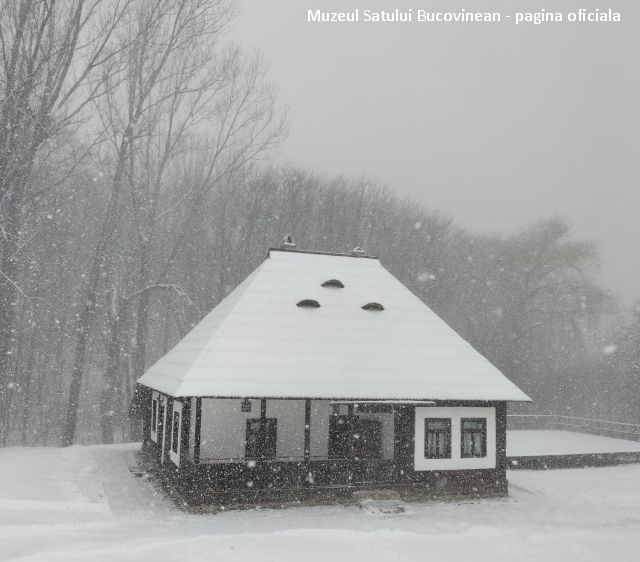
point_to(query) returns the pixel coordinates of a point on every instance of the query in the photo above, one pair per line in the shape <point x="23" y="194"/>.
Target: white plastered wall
<point x="223" y="428"/>
<point x="290" y="416"/>
<point x="456" y="462"/>
<point x="155" y="398"/>
<point x="319" y="443"/>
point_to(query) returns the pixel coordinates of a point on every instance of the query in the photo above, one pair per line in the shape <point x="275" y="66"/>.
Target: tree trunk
<point x="91" y="294"/>
<point x="111" y="383"/>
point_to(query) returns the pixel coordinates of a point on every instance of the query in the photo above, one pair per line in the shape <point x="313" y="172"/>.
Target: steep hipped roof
<point x="258" y="343"/>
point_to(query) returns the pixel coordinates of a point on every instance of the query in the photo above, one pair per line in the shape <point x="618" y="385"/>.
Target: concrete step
<point x="361" y="495"/>
<point x="382" y="507"/>
<point x="379" y="501"/>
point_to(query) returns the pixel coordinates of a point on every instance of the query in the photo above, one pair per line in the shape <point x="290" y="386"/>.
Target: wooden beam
<point x="185" y="432"/>
<point x="263" y="408"/>
<point x="196" y="439"/>
<point x="307" y="430"/>
<point x="352" y="437"/>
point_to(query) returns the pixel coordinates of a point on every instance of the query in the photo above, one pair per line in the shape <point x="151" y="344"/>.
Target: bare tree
<point x="51" y="54"/>
<point x="182" y="95"/>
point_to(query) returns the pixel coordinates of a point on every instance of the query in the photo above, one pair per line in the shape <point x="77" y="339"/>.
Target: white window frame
<point x="456" y="461"/>
<point x="165" y="406"/>
<point x="155" y="399"/>
<point x="175" y="456"/>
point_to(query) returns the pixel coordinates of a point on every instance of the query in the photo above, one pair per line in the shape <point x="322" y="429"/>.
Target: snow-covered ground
<point x="83" y="504"/>
<point x="535" y="443"/>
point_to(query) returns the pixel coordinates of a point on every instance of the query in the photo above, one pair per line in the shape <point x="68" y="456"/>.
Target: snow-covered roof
<point x="258" y="343"/>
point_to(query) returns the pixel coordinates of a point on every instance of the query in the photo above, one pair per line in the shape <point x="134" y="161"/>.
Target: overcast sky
<point x="494" y="124"/>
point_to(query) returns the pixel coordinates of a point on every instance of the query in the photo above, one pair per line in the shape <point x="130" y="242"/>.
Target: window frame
<point x="483" y="433"/>
<point x="447" y="432"/>
<point x="260" y="452"/>
<point x="175" y="442"/>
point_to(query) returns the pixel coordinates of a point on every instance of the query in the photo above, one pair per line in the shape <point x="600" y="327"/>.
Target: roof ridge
<point x="321" y="253"/>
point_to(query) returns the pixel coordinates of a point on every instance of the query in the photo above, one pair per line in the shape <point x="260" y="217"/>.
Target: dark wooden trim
<point x="167" y="430"/>
<point x="185" y="432"/>
<point x="352" y="445"/>
<point x="307" y="429"/>
<point x="288" y="482"/>
<point x="196" y="440"/>
<point x="501" y="435"/>
<point x="263" y="408"/>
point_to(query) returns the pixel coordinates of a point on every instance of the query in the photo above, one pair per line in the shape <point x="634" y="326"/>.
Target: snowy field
<point x="83" y="504"/>
<point x="534" y="443"/>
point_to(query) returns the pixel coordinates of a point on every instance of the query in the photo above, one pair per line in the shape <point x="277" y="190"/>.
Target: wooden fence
<point x="606" y="428"/>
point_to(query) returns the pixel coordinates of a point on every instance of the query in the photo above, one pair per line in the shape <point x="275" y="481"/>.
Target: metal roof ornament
<point x="288" y="243"/>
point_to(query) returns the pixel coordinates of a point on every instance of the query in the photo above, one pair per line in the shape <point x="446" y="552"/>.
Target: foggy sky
<point x="494" y="124"/>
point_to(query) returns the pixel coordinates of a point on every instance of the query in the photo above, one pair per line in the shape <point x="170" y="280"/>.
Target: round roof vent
<point x="373" y="306"/>
<point x="334" y="283"/>
<point x="308" y="303"/>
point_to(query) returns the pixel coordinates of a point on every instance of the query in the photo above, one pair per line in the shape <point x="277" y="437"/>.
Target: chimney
<point x="288" y="243"/>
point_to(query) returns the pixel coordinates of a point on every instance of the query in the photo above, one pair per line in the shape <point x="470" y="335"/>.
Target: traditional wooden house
<point x="319" y="375"/>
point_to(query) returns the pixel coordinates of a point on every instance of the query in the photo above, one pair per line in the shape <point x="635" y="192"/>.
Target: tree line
<point x="134" y="196"/>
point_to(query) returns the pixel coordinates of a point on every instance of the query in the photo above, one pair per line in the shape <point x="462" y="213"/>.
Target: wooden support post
<point x="263" y="408"/>
<point x="167" y="429"/>
<point x="352" y="425"/>
<point x="307" y="430"/>
<point x="185" y="432"/>
<point x="196" y="440"/>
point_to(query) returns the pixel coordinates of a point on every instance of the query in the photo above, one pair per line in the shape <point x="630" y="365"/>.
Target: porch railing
<point x="621" y="430"/>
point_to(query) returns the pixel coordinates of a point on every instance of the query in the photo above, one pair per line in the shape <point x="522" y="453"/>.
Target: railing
<point x="620" y="430"/>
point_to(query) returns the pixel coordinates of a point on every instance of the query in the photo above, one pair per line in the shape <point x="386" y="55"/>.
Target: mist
<point x="497" y="125"/>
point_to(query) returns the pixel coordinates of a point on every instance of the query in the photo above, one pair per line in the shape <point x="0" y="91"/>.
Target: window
<point x="175" y="432"/>
<point x="308" y="303"/>
<point x="261" y="438"/>
<point x="373" y="306"/>
<point x="474" y="437"/>
<point x="437" y="438"/>
<point x="335" y="283"/>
